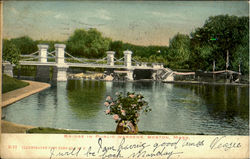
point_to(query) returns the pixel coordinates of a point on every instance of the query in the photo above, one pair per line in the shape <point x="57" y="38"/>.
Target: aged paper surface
<point x="121" y="146"/>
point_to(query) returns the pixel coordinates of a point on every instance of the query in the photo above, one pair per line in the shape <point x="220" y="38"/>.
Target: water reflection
<point x="85" y="97"/>
<point x="78" y="104"/>
<point x="223" y="101"/>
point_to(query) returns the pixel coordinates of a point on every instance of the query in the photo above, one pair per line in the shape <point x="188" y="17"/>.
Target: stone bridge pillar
<point x="130" y="75"/>
<point x="110" y="58"/>
<point x="127" y="58"/>
<point x="60" y="73"/>
<point x="43" y="52"/>
<point x="60" y="53"/>
<point x="42" y="72"/>
<point x="60" y="70"/>
<point x="128" y="64"/>
<point x="8" y="69"/>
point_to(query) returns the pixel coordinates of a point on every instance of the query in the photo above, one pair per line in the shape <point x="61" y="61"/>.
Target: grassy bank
<point x="41" y="130"/>
<point x="10" y="84"/>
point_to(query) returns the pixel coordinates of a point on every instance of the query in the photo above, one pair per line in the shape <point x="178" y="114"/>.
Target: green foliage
<point x="10" y="84"/>
<point x="146" y="51"/>
<point x="45" y="130"/>
<point x="117" y="46"/>
<point x="157" y="59"/>
<point x="241" y="56"/>
<point x="126" y="109"/>
<point x="25" y="71"/>
<point x="25" y="44"/>
<point x="89" y="44"/>
<point x="179" y="51"/>
<point x="11" y="53"/>
<point x="231" y="34"/>
<point x="150" y="54"/>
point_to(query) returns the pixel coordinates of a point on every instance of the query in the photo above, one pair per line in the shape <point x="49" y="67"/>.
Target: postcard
<point x="125" y="79"/>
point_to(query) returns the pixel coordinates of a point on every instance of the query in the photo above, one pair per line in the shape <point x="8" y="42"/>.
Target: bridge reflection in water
<point x="78" y="104"/>
<point x="85" y="98"/>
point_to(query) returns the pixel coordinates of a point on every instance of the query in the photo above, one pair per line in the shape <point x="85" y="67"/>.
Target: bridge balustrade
<point x="63" y="60"/>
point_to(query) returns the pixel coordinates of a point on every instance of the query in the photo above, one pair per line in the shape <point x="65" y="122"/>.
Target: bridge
<point x="61" y="60"/>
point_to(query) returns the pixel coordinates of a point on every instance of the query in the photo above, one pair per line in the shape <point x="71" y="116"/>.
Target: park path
<point x="16" y="95"/>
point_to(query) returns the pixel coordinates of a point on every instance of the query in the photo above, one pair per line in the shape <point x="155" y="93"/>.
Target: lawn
<point x="10" y="84"/>
<point x="42" y="130"/>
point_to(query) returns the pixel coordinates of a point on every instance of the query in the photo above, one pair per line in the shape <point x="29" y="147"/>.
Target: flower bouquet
<point x="126" y="111"/>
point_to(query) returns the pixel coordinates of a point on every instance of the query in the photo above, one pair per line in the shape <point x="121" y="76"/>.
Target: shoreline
<point x="10" y="127"/>
<point x="168" y="82"/>
<point x="205" y="83"/>
<point x="16" y="95"/>
<point x="35" y="87"/>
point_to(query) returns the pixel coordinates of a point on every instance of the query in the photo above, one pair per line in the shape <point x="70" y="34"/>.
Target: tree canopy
<point x="11" y="52"/>
<point x="179" y="51"/>
<point x="118" y="47"/>
<point x="25" y="44"/>
<point x="220" y="35"/>
<point x="89" y="44"/>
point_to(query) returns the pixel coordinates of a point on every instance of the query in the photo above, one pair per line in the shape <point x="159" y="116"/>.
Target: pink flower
<point x="133" y="105"/>
<point x="108" y="98"/>
<point x="131" y="95"/>
<point x="115" y="117"/>
<point x="106" y="104"/>
<point x="123" y="112"/>
<point x="112" y="104"/>
<point x="107" y="111"/>
<point x="137" y="114"/>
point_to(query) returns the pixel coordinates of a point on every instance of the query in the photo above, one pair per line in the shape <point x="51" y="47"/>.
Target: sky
<point x="136" y="22"/>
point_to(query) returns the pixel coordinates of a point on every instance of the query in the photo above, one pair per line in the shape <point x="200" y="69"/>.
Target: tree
<point x="25" y="44"/>
<point x="88" y="44"/>
<point x="179" y="51"/>
<point x="223" y="34"/>
<point x="10" y="52"/>
<point x="241" y="56"/>
<point x="117" y="46"/>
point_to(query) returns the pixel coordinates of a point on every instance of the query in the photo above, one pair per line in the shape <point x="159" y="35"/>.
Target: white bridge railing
<point x="61" y="57"/>
<point x="62" y="60"/>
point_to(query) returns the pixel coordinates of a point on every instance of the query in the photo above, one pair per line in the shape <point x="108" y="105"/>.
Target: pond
<point x="78" y="104"/>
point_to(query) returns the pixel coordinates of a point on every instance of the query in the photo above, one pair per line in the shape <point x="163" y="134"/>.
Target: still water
<point x="78" y="104"/>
